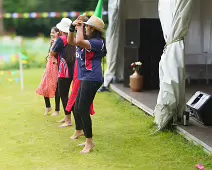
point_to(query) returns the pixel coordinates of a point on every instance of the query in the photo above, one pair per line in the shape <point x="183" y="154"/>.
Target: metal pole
<point x="21" y="73"/>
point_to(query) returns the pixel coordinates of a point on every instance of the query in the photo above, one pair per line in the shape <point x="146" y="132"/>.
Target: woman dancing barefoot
<point x="91" y="49"/>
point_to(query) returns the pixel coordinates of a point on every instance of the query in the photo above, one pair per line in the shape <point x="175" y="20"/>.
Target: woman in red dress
<point x="48" y="86"/>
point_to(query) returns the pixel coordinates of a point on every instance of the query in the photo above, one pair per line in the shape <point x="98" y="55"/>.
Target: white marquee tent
<point x="187" y="28"/>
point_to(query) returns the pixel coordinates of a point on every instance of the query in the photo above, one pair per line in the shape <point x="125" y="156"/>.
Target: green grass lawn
<point x="31" y="141"/>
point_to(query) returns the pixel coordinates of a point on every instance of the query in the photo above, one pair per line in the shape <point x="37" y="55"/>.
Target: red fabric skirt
<point x="48" y="85"/>
<point x="74" y="93"/>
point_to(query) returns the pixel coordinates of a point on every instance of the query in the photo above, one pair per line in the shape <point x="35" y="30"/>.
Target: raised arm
<point x="52" y="53"/>
<point x="72" y="28"/>
<point x="56" y="48"/>
<point x="80" y="40"/>
<point x="71" y="39"/>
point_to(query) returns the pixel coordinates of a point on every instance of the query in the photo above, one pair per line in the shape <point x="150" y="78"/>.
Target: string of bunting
<point x="23" y="59"/>
<point x="12" y="76"/>
<point x="6" y="59"/>
<point x="73" y="14"/>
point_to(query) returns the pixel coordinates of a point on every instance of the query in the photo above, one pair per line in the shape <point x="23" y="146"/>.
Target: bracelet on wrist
<point x="72" y="28"/>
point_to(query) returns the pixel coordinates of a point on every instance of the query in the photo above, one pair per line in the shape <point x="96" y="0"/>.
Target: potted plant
<point x="136" y="79"/>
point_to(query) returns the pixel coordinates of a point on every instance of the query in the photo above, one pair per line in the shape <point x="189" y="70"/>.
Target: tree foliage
<point x="31" y="27"/>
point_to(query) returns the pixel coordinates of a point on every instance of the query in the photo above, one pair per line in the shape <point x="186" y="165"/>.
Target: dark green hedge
<point x="33" y="27"/>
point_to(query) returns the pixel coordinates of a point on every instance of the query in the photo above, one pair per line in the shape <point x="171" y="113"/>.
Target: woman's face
<point x="54" y="35"/>
<point x="88" y="30"/>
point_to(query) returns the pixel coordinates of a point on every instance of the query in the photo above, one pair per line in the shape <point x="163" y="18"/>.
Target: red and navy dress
<point x="64" y="71"/>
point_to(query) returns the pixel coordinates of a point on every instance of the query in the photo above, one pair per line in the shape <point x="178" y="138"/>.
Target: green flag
<point x="23" y="57"/>
<point x="98" y="11"/>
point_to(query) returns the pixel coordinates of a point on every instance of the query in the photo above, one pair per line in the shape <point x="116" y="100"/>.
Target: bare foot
<point x="48" y="109"/>
<point x="82" y="144"/>
<point x="56" y="113"/>
<point x="66" y="124"/>
<point x="77" y="134"/>
<point x="61" y="121"/>
<point x="88" y="148"/>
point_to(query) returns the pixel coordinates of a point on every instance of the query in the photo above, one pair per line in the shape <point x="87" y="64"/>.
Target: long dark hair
<point x="56" y="30"/>
<point x="70" y="55"/>
<point x="99" y="35"/>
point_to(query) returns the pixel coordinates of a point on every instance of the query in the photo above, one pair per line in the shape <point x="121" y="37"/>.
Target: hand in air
<point x="77" y="22"/>
<point x="82" y="18"/>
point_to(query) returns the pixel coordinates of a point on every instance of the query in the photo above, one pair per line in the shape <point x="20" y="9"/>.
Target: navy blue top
<point x="65" y="71"/>
<point x="90" y="62"/>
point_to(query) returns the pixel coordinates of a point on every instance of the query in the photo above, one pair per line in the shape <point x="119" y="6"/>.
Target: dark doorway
<point x="144" y="42"/>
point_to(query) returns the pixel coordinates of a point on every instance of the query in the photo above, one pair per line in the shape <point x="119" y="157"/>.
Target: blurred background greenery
<point x="34" y="32"/>
<point x="33" y="27"/>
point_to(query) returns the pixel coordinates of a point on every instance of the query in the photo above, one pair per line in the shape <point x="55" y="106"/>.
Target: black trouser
<point x="82" y="105"/>
<point x="57" y="101"/>
<point x="64" y="86"/>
